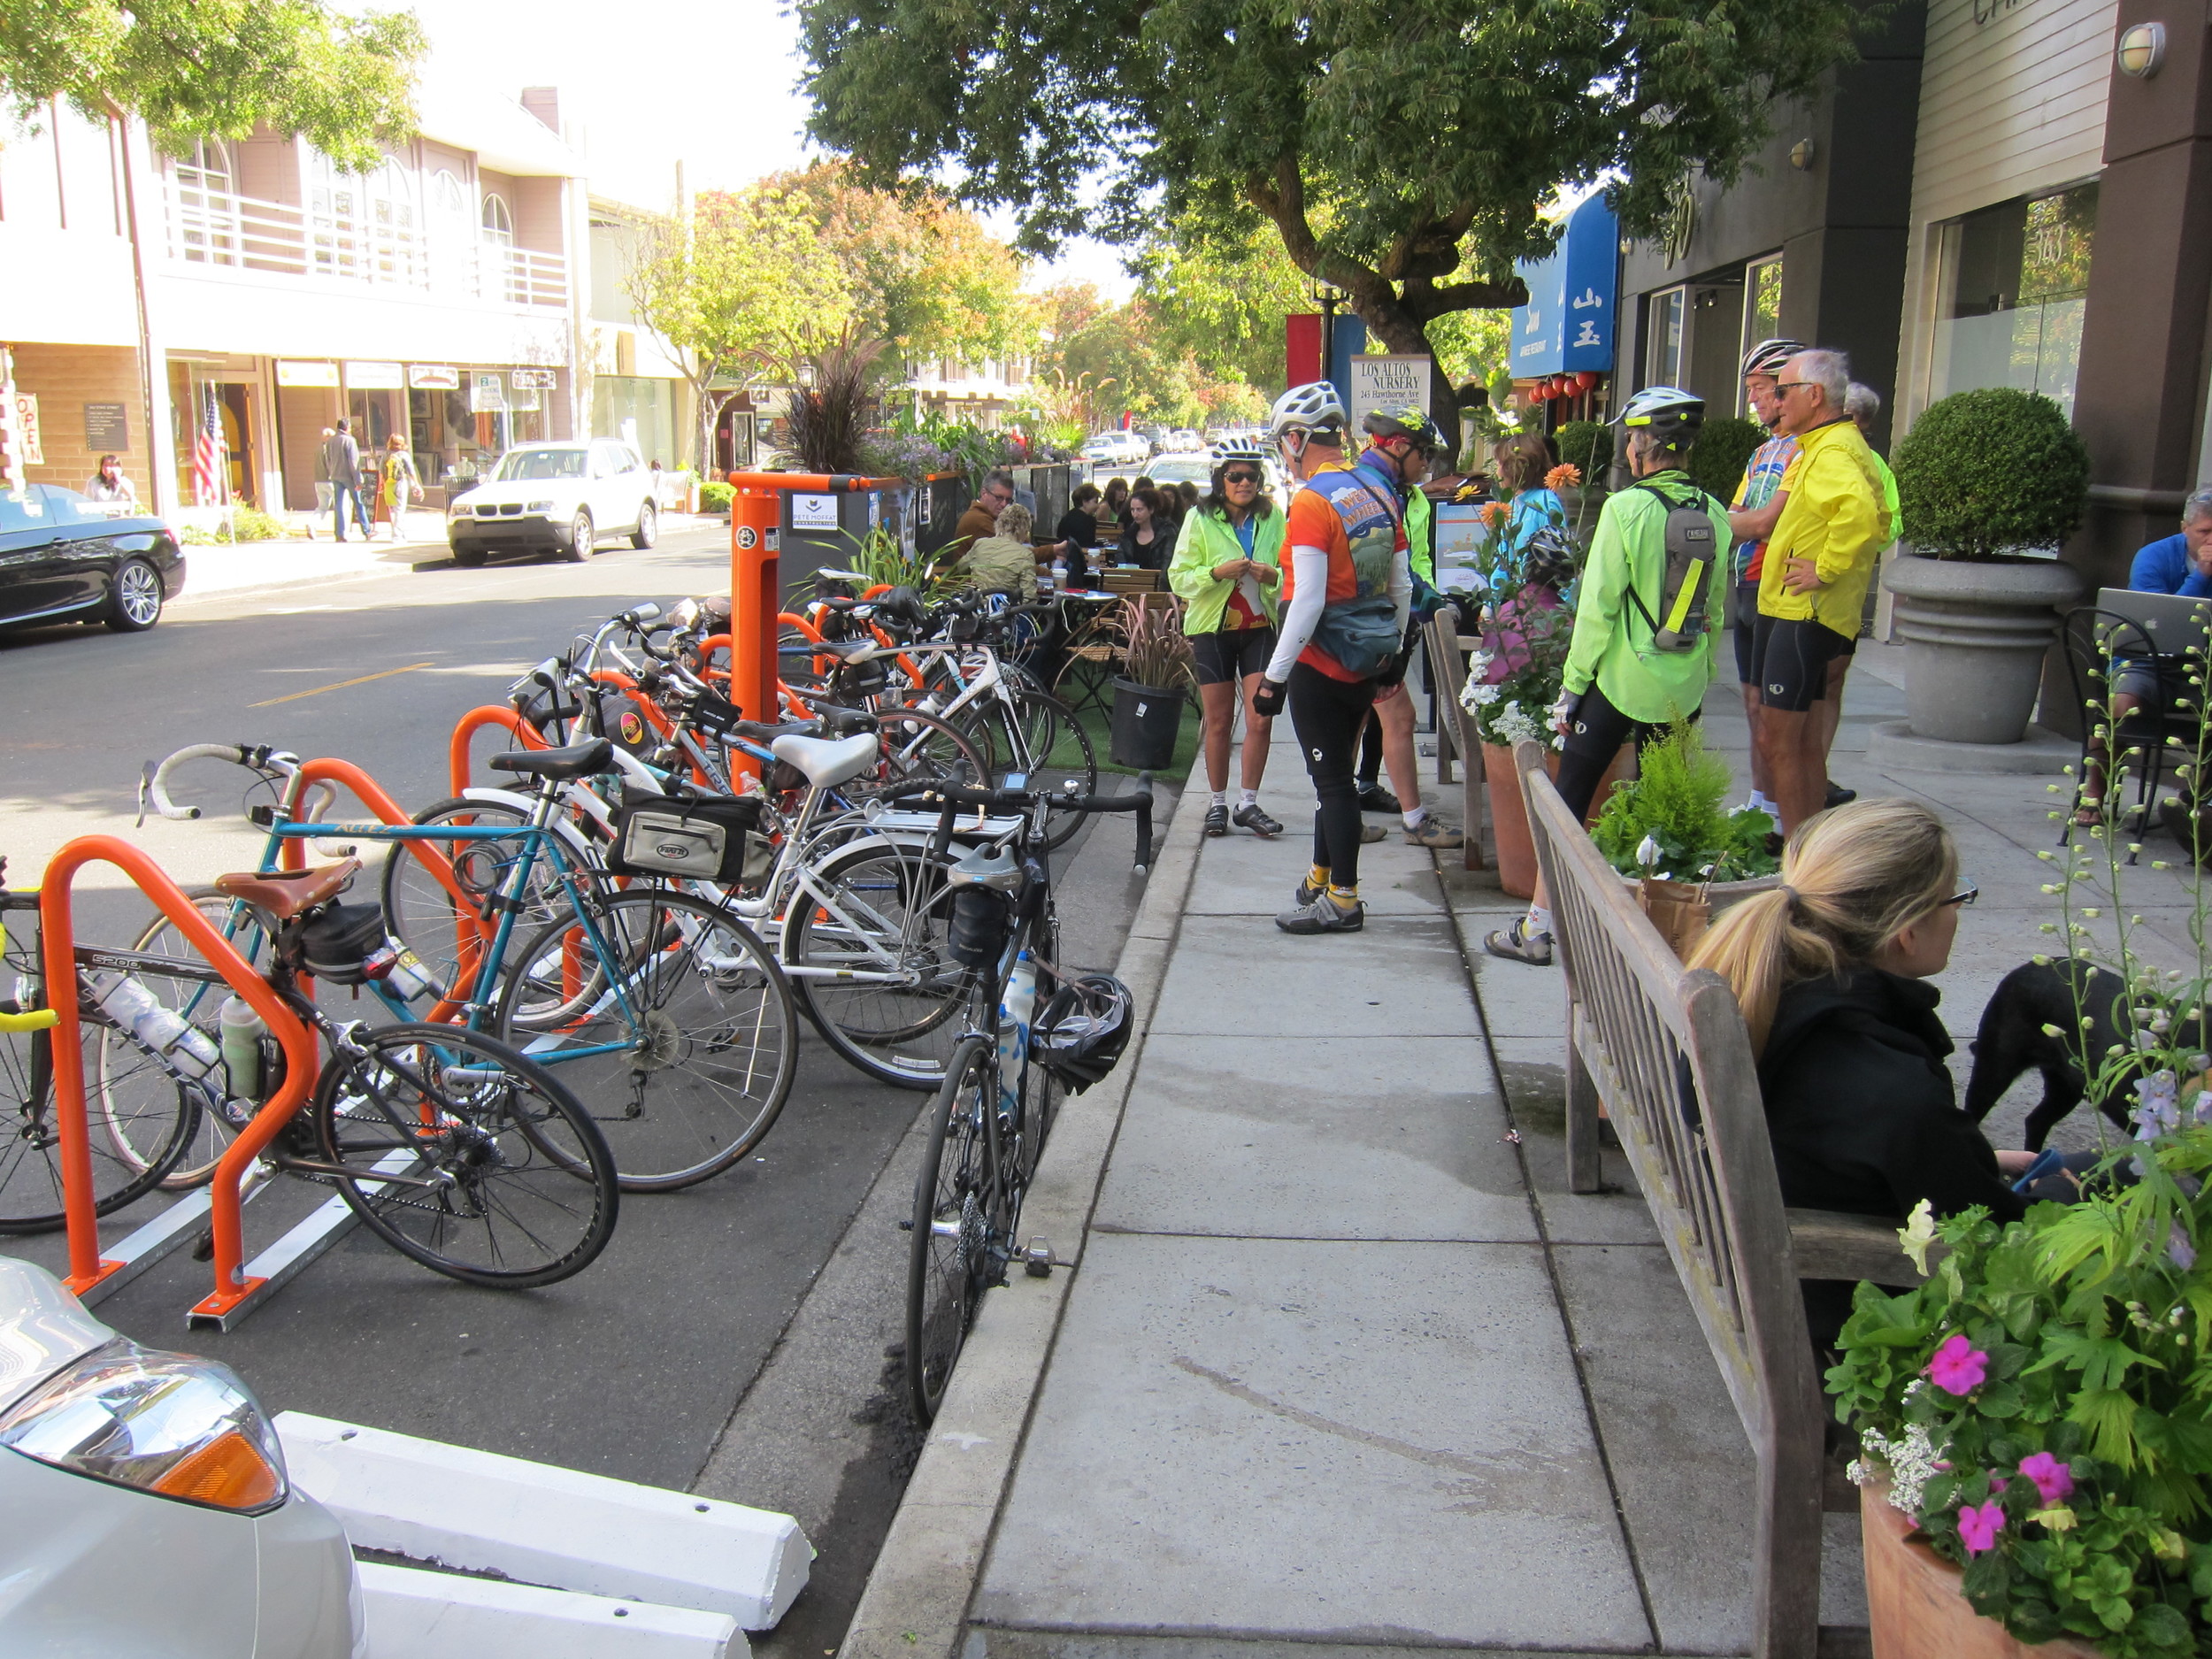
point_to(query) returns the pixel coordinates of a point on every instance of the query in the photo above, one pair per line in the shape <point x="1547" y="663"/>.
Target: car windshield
<point x="1176" y="470"/>
<point x="525" y="463"/>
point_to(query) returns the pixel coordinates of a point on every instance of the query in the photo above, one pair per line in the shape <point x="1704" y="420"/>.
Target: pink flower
<point x="1998" y="1483"/>
<point x="2054" y="1481"/>
<point x="1978" y="1527"/>
<point x="1958" y="1367"/>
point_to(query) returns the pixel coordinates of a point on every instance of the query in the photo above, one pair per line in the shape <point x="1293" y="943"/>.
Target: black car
<point x="64" y="559"/>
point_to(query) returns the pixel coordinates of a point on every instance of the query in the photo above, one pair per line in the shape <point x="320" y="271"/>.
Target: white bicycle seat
<point x="828" y="761"/>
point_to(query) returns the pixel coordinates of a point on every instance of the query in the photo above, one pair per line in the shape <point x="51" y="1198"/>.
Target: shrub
<point x="717" y="497"/>
<point x="247" y="523"/>
<point x="1724" y="448"/>
<point x="1587" y="446"/>
<point x="1987" y="473"/>
<point x="1676" y="802"/>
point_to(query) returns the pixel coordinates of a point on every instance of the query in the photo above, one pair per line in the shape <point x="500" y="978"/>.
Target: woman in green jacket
<point x="1227" y="566"/>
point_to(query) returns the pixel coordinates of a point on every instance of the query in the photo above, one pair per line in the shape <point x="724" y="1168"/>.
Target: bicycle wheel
<point x="918" y="747"/>
<point x="196" y="1001"/>
<point x="422" y="915"/>
<point x="685" y="1041"/>
<point x="948" y="1264"/>
<point x="1040" y="738"/>
<point x="867" y="951"/>
<point x="508" y="1183"/>
<point x="159" y="1115"/>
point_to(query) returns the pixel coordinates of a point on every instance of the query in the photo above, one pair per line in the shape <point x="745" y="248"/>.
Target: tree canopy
<point x="218" y="68"/>
<point x="1402" y="152"/>
<point x="1223" y="300"/>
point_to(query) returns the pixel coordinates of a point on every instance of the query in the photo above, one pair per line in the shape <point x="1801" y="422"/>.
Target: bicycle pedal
<point x="204" y="1247"/>
<point x="1037" y="1259"/>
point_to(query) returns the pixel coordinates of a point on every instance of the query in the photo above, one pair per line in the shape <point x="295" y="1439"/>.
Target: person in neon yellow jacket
<point x="1227" y="570"/>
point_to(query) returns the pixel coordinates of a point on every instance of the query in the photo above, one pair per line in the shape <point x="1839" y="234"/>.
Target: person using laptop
<point x="2180" y="564"/>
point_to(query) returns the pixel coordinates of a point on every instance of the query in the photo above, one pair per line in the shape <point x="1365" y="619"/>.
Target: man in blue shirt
<point x="2179" y="564"/>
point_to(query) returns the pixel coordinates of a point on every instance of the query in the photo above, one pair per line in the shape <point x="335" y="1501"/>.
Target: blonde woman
<point x="398" y="483"/>
<point x="1831" y="970"/>
<point x="1003" y="562"/>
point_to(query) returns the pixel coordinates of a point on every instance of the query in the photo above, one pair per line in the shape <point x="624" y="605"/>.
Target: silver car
<point x="144" y="1507"/>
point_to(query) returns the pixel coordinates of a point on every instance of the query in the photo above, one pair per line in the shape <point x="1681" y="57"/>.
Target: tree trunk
<point x="1401" y="334"/>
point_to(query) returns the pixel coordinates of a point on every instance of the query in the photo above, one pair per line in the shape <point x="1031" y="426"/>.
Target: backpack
<point x="1691" y="548"/>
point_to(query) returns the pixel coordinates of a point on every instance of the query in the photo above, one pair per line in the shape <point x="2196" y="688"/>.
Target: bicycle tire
<point x="1051" y="748"/>
<point x="918" y="747"/>
<point x="705" y="1079"/>
<point x="896" y="1034"/>
<point x="422" y="915"/>
<point x="498" y="1117"/>
<point x="948" y="1271"/>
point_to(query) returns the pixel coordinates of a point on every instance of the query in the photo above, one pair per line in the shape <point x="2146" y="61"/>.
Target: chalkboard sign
<point x="106" y="428"/>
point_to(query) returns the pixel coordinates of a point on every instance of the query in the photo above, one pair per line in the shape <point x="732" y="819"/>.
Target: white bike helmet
<point x="1768" y="356"/>
<point x="1313" y="408"/>
<point x="1237" y="449"/>
<point x="1668" y="412"/>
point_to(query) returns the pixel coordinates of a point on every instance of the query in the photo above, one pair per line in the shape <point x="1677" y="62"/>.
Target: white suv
<point x="564" y="497"/>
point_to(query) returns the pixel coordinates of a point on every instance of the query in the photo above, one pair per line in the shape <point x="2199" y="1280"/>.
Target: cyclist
<point x="1228" y="562"/>
<point x="1643" y="643"/>
<point x="1347" y="597"/>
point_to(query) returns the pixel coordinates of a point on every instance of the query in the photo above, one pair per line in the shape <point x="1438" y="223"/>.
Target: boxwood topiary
<point x="716" y="497"/>
<point x="1988" y="473"/>
<point x="1724" y="448"/>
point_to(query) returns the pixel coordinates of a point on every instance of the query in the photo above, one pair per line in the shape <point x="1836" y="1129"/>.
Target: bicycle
<point x="989" y="1122"/>
<point x="457" y="1150"/>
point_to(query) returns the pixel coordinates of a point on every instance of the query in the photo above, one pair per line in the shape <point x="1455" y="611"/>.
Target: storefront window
<point x="640" y="411"/>
<point x="1663" y="358"/>
<point x="1762" y="310"/>
<point x="2015" y="284"/>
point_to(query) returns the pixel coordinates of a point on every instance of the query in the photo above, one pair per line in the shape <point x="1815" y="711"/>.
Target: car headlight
<point x="460" y="509"/>
<point x="167" y="1424"/>
<point x="539" y="506"/>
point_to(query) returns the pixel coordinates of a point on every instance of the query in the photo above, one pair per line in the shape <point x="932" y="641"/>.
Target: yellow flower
<point x="2167" y="1545"/>
<point x="1917" y="1234"/>
<point x="2057" y="1518"/>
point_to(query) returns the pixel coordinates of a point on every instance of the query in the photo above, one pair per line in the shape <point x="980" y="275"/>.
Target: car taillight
<point x="168" y="1424"/>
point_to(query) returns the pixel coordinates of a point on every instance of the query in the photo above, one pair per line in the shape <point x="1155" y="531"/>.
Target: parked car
<point x="1117" y="449"/>
<point x="1183" y="441"/>
<point x="145" y="1504"/>
<point x="64" y="559"/>
<point x="564" y="497"/>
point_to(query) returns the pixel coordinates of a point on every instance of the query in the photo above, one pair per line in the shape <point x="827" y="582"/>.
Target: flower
<point x="1647" y="852"/>
<point x="2158" y="1110"/>
<point x="1565" y="476"/>
<point x="2179" y="1251"/>
<point x="1483" y="694"/>
<point x="1958" y="1367"/>
<point x="1495" y="514"/>
<point x="2057" y="1518"/>
<point x="1917" y="1234"/>
<point x="2054" y="1480"/>
<point x="1978" y="1527"/>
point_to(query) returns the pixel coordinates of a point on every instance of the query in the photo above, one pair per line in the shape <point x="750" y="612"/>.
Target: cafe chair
<point x="2094" y="640"/>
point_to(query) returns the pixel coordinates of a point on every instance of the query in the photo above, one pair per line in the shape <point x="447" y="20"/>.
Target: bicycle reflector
<point x="167" y="1424"/>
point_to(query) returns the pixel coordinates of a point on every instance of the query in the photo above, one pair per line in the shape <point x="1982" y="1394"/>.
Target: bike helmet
<point x="1237" y="449"/>
<point x="1548" y="556"/>
<point x="1314" y="408"/>
<point x="1409" y="420"/>
<point x="1768" y="356"/>
<point x="1081" y="1030"/>
<point x="1668" y="412"/>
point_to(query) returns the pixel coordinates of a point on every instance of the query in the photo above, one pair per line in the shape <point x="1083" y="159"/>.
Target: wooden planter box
<point x="1913" y="1600"/>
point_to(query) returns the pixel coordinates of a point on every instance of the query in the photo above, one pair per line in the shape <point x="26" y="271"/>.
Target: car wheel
<point x="580" y="536"/>
<point x="468" y="557"/>
<point x="134" y="597"/>
<point x="647" y="521"/>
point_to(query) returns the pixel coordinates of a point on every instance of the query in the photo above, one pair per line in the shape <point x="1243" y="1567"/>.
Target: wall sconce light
<point x="1802" y="154"/>
<point x="2142" y="49"/>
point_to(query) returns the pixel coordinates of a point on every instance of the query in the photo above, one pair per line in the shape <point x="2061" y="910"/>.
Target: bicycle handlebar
<point x="153" y="781"/>
<point x="954" y="796"/>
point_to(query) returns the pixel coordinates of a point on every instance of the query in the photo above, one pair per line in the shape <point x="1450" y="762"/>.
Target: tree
<point x="1224" y="300"/>
<point x="739" y="289"/>
<point x="1403" y="150"/>
<point x="218" y="68"/>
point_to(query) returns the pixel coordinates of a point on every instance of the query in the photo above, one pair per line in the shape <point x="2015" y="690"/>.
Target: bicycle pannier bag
<point x="336" y="942"/>
<point x="1680" y="621"/>
<point x="694" y="839"/>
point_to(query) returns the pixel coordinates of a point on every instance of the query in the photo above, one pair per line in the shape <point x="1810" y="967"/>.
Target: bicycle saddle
<point x="576" y="760"/>
<point x="284" y="894"/>
<point x="828" y="763"/>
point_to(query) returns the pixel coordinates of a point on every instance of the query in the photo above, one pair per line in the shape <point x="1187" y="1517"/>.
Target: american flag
<point x="208" y="472"/>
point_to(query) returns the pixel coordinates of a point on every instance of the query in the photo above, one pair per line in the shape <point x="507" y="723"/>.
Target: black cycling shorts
<point x="1745" y="627"/>
<point x="1594" y="743"/>
<point x="1791" y="656"/>
<point x="1227" y="657"/>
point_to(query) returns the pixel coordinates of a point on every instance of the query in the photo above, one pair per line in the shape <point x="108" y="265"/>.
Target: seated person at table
<point x="982" y="513"/>
<point x="1149" y="537"/>
<point x="1831" y="971"/>
<point x="2180" y="564"/>
<point x="1081" y="527"/>
<point x="1003" y="562"/>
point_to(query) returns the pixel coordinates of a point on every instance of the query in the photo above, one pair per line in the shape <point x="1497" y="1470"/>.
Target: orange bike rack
<point x="464" y="731"/>
<point x="87" y="1267"/>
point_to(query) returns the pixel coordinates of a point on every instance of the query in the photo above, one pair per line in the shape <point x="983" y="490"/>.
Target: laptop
<point x="2171" y="623"/>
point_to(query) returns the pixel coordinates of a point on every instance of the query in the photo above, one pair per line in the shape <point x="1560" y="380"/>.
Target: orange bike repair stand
<point x="756" y="581"/>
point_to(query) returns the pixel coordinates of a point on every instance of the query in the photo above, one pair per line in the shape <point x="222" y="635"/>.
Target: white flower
<point x="1483" y="694"/>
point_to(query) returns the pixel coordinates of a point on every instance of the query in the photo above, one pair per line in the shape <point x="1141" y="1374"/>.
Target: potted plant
<point x="1154" y="682"/>
<point x="1984" y="477"/>
<point x="1686" y="853"/>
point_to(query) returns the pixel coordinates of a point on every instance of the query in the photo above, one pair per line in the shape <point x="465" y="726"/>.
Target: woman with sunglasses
<point x="1831" y="970"/>
<point x="1227" y="565"/>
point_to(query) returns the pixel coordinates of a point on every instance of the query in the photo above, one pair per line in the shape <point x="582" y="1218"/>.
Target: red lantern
<point x="1562" y="387"/>
<point x="1584" y="378"/>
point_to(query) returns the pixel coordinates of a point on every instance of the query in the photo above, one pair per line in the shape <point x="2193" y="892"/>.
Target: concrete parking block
<point x="1244" y="974"/>
<point x="1331" y="1138"/>
<point x="1322" y="1441"/>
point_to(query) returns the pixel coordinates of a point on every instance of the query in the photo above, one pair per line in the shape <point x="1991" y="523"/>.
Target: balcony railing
<point x="216" y="228"/>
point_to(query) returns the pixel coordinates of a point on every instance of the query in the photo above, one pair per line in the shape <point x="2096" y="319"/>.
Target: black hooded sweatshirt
<point x="1864" y="1116"/>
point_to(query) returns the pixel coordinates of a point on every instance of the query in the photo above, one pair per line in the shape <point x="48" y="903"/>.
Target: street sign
<point x="487" y="393"/>
<point x="1386" y="382"/>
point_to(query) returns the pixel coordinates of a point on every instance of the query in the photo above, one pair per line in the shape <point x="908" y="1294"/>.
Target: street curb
<point x="918" y="1590"/>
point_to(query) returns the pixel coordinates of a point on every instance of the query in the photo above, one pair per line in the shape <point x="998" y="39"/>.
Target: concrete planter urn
<point x="1975" y="633"/>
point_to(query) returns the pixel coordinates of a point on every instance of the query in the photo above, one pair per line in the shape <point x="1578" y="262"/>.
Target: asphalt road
<point x="649" y="1365"/>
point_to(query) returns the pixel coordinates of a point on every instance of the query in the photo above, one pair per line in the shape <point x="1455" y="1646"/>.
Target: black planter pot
<point x="1146" y="720"/>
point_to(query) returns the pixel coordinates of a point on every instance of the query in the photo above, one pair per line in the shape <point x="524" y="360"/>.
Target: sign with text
<point x="1568" y="322"/>
<point x="434" y="377"/>
<point x="813" y="512"/>
<point x="374" y="377"/>
<point x="306" y="373"/>
<point x="27" y="428"/>
<point x="531" y="380"/>
<point x="487" y="393"/>
<point x="1384" y="382"/>
<point x="107" y="428"/>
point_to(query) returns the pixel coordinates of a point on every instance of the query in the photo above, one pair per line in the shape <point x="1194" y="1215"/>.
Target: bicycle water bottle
<point x="184" y="1051"/>
<point x="243" y="1030"/>
<point x="1015" y="1007"/>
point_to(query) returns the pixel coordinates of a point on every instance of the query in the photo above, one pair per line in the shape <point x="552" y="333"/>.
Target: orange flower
<point x="1494" y="514"/>
<point x="1563" y="477"/>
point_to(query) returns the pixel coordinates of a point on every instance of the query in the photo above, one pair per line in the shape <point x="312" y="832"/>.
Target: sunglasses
<point x="1240" y="476"/>
<point x="1967" y="891"/>
<point x="1791" y="385"/>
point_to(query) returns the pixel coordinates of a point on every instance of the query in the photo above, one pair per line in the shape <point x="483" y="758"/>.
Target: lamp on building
<point x="2142" y="49"/>
<point x="1802" y="154"/>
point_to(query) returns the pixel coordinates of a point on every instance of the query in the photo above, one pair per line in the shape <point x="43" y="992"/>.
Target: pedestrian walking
<point x="1346" y="602"/>
<point x="398" y="484"/>
<point x="1642" y="649"/>
<point x="1752" y="512"/>
<point x="342" y="457"/>
<point x="1227" y="566"/>
<point x="108" y="484"/>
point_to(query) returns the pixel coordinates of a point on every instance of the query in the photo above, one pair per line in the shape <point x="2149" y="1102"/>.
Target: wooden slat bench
<point x="1665" y="1051"/>
<point x="1446" y="648"/>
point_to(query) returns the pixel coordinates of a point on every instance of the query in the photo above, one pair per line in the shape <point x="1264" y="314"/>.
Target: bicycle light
<point x="167" y="1424"/>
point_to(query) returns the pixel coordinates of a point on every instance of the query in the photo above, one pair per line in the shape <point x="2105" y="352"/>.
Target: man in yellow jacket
<point x="1812" y="588"/>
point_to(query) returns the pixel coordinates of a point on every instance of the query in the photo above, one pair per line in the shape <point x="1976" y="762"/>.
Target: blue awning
<point x="1568" y="322"/>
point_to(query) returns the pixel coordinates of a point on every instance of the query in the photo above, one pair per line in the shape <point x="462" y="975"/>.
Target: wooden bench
<point x="1664" y="1052"/>
<point x="1447" y="648"/>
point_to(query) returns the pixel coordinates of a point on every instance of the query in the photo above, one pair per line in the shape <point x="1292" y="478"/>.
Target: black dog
<point x="2012" y="1039"/>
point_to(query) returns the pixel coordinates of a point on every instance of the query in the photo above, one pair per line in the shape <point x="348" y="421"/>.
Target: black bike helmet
<point x="1081" y="1030"/>
<point x="1409" y="420"/>
<point x="1548" y="556"/>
